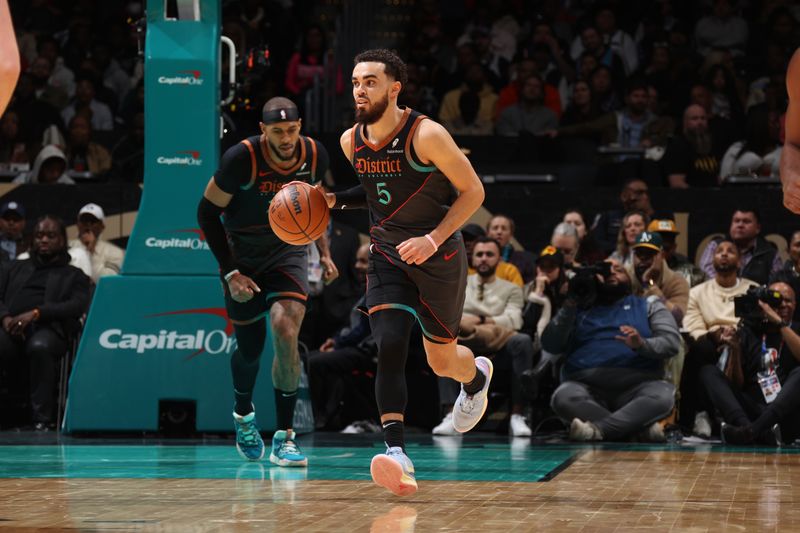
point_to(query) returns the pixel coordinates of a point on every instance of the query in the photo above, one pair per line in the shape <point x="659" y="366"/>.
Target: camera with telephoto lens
<point x="746" y="306"/>
<point x="583" y="284"/>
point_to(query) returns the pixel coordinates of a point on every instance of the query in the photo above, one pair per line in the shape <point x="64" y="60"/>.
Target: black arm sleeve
<point x="352" y="198"/>
<point x="208" y="216"/>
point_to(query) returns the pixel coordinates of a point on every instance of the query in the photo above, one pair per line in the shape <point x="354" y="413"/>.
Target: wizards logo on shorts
<point x="194" y="331"/>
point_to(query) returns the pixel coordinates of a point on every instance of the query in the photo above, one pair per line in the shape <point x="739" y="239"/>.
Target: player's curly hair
<point x="393" y="65"/>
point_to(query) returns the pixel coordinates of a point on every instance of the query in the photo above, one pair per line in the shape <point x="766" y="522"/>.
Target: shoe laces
<point x="248" y="433"/>
<point x="468" y="404"/>
<point x="289" y="447"/>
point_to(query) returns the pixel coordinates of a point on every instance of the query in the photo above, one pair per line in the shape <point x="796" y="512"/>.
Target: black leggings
<point x="245" y="360"/>
<point x="391" y="329"/>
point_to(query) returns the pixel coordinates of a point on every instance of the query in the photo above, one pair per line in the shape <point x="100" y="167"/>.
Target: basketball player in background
<point x="9" y="57"/>
<point x="262" y="274"/>
<point x="407" y="166"/>
<point x="790" y="156"/>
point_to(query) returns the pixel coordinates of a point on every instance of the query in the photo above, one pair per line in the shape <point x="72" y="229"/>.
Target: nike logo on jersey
<point x="448" y="257"/>
<point x="261" y="174"/>
<point x="360" y="148"/>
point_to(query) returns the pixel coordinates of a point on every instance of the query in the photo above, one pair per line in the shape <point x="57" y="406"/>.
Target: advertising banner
<point x="181" y="142"/>
<point x="158" y="338"/>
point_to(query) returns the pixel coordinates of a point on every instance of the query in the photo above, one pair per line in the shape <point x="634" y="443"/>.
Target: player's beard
<point x="374" y="113"/>
<point x="279" y="154"/>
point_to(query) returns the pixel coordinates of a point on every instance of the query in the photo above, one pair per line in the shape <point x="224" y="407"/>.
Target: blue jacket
<point x="587" y="337"/>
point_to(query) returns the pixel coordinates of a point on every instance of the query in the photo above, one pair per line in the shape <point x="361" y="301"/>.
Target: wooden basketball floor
<point x="480" y="482"/>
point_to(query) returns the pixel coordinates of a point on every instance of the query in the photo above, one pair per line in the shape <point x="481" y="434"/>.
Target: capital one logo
<point x="182" y="77"/>
<point x="196" y="240"/>
<point x="218" y="341"/>
<point x="190" y="159"/>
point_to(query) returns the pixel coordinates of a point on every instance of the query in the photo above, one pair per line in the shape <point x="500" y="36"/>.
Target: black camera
<point x="746" y="306"/>
<point x="583" y="284"/>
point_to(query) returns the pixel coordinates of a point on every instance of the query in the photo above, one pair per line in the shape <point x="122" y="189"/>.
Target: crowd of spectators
<point x="679" y="94"/>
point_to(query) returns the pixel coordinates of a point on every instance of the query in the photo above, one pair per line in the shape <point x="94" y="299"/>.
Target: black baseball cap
<point x="12" y="207"/>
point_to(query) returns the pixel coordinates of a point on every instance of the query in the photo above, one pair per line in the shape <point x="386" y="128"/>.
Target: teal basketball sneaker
<point x="248" y="440"/>
<point x="285" y="451"/>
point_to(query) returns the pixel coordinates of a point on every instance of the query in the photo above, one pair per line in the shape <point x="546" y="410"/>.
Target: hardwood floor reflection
<point x="602" y="490"/>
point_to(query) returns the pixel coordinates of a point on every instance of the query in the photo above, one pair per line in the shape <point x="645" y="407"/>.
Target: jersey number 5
<point x="384" y="196"/>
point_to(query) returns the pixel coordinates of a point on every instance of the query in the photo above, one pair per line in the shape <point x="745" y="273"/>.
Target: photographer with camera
<point x="615" y="345"/>
<point x="758" y="392"/>
<point x="709" y="316"/>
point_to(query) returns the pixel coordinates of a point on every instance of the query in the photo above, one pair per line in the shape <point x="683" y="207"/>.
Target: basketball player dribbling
<point x="790" y="155"/>
<point x="408" y="165"/>
<point x="262" y="274"/>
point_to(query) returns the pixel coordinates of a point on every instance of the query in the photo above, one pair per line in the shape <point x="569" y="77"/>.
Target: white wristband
<point x="230" y="274"/>
<point x="433" y="243"/>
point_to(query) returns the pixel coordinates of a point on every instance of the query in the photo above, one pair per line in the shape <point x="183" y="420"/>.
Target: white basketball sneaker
<point x="469" y="409"/>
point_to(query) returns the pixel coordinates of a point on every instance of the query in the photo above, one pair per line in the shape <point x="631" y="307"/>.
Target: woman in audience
<point x="633" y="223"/>
<point x="581" y="108"/>
<point x="545" y="294"/>
<point x="726" y="102"/>
<point x="307" y="64"/>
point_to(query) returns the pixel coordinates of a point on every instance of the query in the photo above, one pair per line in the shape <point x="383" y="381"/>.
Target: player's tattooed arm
<point x="790" y="155"/>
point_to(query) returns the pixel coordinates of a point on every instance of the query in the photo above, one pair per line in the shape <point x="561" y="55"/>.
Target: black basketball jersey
<point x="406" y="198"/>
<point x="248" y="173"/>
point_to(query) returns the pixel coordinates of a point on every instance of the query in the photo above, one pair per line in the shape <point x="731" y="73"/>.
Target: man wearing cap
<point x="262" y="275"/>
<point x="651" y="276"/>
<point x="106" y="257"/>
<point x="12" y="231"/>
<point x="678" y="263"/>
<point x="543" y="298"/>
<point x="506" y="271"/>
<point x="546" y="293"/>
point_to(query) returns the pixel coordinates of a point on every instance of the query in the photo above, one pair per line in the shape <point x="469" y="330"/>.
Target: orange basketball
<point x="298" y="214"/>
